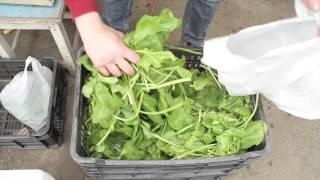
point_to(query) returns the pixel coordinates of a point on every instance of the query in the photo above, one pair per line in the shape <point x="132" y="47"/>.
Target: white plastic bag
<point x="34" y="174"/>
<point x="281" y="60"/>
<point x="27" y="95"/>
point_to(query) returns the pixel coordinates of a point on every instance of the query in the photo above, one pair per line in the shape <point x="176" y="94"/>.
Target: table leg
<point x="62" y="40"/>
<point x="5" y="50"/>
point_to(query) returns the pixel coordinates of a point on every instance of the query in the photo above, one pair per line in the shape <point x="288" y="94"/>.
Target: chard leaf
<point x="181" y="117"/>
<point x="154" y="58"/>
<point x="200" y="83"/>
<point x="87" y="89"/>
<point x="108" y="80"/>
<point x="149" y="104"/>
<point x="104" y="106"/>
<point x="228" y="142"/>
<point x="209" y="97"/>
<point x="184" y="73"/>
<point x="131" y="152"/>
<point x="253" y="134"/>
<point x="94" y="137"/>
<point x="85" y="62"/>
<point x="236" y="104"/>
<point x="152" y="31"/>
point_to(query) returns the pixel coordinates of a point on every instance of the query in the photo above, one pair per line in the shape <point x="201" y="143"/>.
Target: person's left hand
<point x="312" y="4"/>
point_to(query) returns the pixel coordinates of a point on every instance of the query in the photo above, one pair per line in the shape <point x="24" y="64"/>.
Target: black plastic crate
<point x="214" y="168"/>
<point x="51" y="135"/>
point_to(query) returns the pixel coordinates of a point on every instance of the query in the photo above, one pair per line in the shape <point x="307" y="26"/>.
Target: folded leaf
<point x="253" y="134"/>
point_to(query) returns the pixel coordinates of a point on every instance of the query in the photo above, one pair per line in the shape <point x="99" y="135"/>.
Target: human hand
<point x="104" y="46"/>
<point x="312" y="4"/>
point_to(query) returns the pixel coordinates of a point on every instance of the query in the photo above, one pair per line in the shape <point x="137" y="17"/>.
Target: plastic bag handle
<point x="28" y="62"/>
<point x="36" y="66"/>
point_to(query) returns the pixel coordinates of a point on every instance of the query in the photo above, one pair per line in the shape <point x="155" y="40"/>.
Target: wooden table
<point x="37" y="18"/>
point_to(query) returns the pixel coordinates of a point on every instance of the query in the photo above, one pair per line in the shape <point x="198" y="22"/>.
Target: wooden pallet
<point x="29" y="2"/>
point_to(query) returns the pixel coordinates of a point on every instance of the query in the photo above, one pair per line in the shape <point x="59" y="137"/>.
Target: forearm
<point x="88" y="24"/>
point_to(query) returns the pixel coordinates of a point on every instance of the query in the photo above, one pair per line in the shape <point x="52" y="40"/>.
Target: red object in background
<point x="79" y="7"/>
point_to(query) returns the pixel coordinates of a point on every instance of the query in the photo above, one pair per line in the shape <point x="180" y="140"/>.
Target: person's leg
<point x="116" y="13"/>
<point x="197" y="17"/>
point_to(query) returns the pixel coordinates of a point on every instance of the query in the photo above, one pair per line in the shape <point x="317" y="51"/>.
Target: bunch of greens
<point x="164" y="111"/>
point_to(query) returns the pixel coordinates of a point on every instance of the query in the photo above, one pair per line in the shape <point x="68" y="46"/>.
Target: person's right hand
<point x="104" y="46"/>
<point x="312" y="4"/>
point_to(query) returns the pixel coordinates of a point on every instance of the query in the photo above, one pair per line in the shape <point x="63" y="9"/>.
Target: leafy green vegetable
<point x="164" y="111"/>
<point x="228" y="142"/>
<point x="179" y="119"/>
<point x="152" y="31"/>
<point x="200" y="83"/>
<point x="253" y="134"/>
<point x="131" y="152"/>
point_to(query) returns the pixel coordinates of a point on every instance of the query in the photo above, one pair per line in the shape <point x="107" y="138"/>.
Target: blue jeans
<point x="197" y="17"/>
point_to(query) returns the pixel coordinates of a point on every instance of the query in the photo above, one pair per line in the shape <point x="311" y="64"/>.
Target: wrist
<point x="90" y="24"/>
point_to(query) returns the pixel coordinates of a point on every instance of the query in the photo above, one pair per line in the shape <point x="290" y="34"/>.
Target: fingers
<point x="125" y="66"/>
<point x="121" y="62"/>
<point x="112" y="55"/>
<point x="130" y="55"/>
<point x="120" y="34"/>
<point x="312" y="4"/>
<point x="104" y="71"/>
<point x="114" y="70"/>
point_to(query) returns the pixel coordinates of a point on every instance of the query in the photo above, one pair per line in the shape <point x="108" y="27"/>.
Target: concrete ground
<point x="295" y="152"/>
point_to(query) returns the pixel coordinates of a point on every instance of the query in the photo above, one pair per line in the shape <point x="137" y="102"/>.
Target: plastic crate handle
<point x="55" y="96"/>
